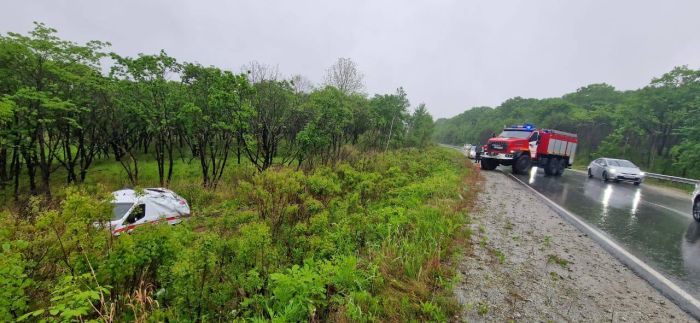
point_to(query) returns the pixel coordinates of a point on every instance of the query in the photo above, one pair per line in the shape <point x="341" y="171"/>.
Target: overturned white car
<point x="132" y="208"/>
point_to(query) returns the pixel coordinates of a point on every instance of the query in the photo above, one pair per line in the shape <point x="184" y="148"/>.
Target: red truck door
<point x="534" y="141"/>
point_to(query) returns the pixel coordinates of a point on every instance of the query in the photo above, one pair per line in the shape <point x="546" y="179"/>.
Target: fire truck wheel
<point x="488" y="164"/>
<point x="561" y="166"/>
<point x="551" y="167"/>
<point x="522" y="164"/>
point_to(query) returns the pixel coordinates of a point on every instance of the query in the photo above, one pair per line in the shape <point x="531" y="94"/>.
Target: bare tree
<point x="345" y="76"/>
<point x="301" y="84"/>
<point x="258" y="72"/>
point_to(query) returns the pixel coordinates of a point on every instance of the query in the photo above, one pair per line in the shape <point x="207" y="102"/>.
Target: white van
<point x="131" y="208"/>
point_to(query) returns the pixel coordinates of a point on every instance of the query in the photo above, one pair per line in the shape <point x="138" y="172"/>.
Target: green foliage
<point x="353" y="231"/>
<point x="155" y="114"/>
<point x="420" y="128"/>
<point x="73" y="299"/>
<point x="13" y="281"/>
<point x="361" y="241"/>
<point x="656" y="127"/>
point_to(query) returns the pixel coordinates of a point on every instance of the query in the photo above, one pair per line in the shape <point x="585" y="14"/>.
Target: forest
<point x="309" y="202"/>
<point x="657" y="127"/>
<point x="66" y="106"/>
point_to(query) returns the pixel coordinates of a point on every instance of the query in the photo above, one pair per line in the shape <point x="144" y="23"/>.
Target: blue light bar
<point x="526" y="126"/>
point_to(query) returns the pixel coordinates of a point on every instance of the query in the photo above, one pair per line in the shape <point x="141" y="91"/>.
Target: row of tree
<point x="65" y="105"/>
<point x="657" y="127"/>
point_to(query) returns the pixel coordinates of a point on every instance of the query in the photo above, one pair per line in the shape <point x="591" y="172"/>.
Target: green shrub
<point x="13" y="281"/>
<point x="360" y="241"/>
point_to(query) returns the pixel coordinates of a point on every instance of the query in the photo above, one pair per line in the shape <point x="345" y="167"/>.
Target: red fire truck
<point x="524" y="146"/>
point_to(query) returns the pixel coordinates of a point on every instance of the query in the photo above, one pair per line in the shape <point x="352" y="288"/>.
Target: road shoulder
<point x="529" y="264"/>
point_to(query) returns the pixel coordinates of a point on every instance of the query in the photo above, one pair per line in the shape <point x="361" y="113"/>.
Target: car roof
<point x="129" y="195"/>
<point x="617" y="159"/>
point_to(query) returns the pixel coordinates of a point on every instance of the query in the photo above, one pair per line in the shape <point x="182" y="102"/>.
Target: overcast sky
<point x="452" y="55"/>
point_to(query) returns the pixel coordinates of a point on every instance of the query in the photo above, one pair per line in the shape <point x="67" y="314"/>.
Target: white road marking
<point x="685" y="214"/>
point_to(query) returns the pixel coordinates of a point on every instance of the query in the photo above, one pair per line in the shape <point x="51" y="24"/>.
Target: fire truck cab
<point x="524" y="146"/>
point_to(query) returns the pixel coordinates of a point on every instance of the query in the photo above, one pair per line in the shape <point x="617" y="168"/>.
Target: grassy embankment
<point x="372" y="237"/>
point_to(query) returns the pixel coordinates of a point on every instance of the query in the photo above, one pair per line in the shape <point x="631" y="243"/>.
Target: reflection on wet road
<point x="653" y="224"/>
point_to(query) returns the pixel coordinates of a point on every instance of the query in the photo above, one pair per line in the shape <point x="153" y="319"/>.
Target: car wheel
<point x="605" y="176"/>
<point x="696" y="210"/>
<point x="637" y="183"/>
<point x="590" y="174"/>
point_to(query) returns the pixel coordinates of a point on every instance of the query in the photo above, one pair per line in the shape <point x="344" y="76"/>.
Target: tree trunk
<point x="3" y="165"/>
<point x="145" y="142"/>
<point x="15" y="166"/>
<point x="170" y="161"/>
<point x="391" y="128"/>
<point x="160" y="159"/>
<point x="31" y="171"/>
<point x="222" y="163"/>
<point x="238" y="149"/>
<point x="203" y="163"/>
<point x="87" y="155"/>
<point x="69" y="160"/>
<point x="45" y="160"/>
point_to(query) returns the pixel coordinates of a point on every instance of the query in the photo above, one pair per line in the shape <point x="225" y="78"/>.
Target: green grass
<point x="547" y="241"/>
<point x="500" y="255"/>
<point x="482" y="309"/>
<point x="554" y="259"/>
<point x="483" y="242"/>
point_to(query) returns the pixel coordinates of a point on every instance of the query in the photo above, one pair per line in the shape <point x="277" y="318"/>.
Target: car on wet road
<point x="610" y="169"/>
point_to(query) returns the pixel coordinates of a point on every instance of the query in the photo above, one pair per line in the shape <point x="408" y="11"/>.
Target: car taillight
<point x="183" y="202"/>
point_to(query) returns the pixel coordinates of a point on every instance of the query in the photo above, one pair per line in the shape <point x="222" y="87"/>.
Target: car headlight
<point x="612" y="170"/>
<point x="642" y="174"/>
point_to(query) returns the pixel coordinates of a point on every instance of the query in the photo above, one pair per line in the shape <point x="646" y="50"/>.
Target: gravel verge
<point x="528" y="264"/>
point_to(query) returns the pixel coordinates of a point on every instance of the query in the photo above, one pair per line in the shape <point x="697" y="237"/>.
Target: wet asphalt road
<point x="653" y="224"/>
